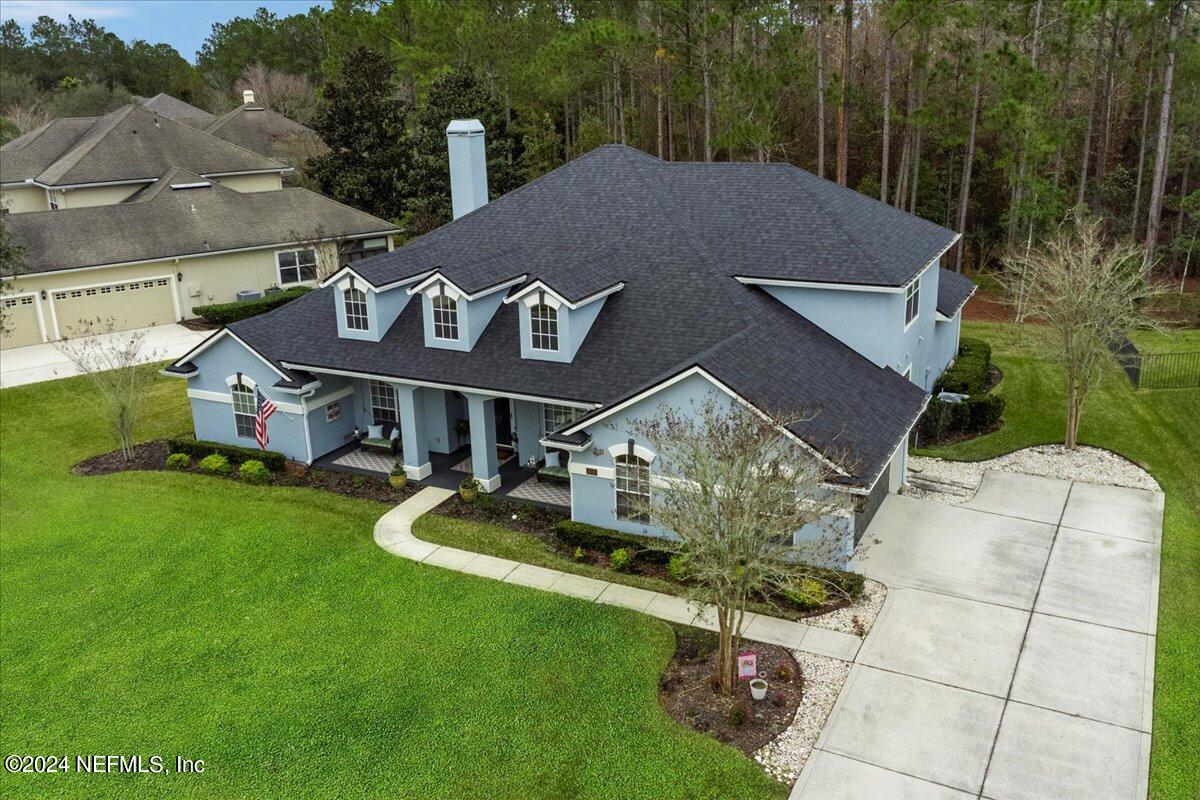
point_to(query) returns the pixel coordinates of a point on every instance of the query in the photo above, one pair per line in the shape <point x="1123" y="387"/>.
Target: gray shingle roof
<point x="161" y="222"/>
<point x="619" y="215"/>
<point x="953" y="291"/>
<point x="127" y="144"/>
<point x="170" y="107"/>
<point x="256" y="128"/>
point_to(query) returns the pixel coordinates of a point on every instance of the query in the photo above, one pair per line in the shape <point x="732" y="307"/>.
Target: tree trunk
<point x="1141" y="159"/>
<point x="964" y="194"/>
<point x="1164" y="118"/>
<point x="820" y="93"/>
<point x="843" y="144"/>
<point x="618" y="99"/>
<point x="1106" y="117"/>
<point x="887" y="117"/>
<point x="1086" y="157"/>
<point x="1019" y="187"/>
<point x="906" y="140"/>
<point x="1064" y="94"/>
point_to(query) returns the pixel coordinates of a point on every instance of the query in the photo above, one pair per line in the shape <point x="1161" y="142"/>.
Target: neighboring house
<point x="133" y="218"/>
<point x="170" y="107"/>
<point x="262" y="130"/>
<point x="541" y="324"/>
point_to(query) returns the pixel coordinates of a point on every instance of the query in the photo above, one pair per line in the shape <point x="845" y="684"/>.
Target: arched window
<point x="244" y="409"/>
<point x="445" y="318"/>
<point x="633" y="487"/>
<point x="356" y="309"/>
<point x="543" y="327"/>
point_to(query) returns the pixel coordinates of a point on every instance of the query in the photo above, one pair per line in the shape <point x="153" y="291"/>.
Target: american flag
<point x="265" y="409"/>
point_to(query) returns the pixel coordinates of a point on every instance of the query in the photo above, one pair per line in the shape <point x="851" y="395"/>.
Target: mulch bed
<point x="199" y="324"/>
<point x="536" y="521"/>
<point x="152" y="456"/>
<point x="686" y="692"/>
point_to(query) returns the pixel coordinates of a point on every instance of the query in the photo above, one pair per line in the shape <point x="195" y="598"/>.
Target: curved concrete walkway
<point x="393" y="532"/>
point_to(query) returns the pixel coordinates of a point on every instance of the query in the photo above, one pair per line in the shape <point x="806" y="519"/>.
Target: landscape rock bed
<point x="687" y="692"/>
<point x="856" y="618"/>
<point x="784" y="757"/>
<point x="1085" y="464"/>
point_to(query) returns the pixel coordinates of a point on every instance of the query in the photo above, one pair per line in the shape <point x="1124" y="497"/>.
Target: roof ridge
<point x="218" y="138"/>
<point x="220" y="120"/>
<point x="833" y="218"/>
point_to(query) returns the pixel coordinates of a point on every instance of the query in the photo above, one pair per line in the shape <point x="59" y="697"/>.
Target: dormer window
<point x="543" y="327"/>
<point x="356" y="309"/>
<point x="445" y="318"/>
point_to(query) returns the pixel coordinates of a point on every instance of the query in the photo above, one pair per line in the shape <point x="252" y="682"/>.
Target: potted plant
<point x="758" y="689"/>
<point x="398" y="478"/>
<point x="468" y="490"/>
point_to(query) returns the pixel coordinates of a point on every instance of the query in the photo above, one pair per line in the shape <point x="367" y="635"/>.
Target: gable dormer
<point x="552" y="328"/>
<point x="365" y="311"/>
<point x="453" y="318"/>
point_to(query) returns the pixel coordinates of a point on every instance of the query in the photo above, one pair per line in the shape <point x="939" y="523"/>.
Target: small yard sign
<point x="747" y="665"/>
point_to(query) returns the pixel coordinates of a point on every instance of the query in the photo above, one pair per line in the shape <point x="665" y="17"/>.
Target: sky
<point x="183" y="24"/>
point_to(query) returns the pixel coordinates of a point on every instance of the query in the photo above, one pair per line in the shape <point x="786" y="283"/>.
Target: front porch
<point x="517" y="482"/>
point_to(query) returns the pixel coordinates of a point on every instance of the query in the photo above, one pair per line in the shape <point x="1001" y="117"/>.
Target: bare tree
<point x="117" y="366"/>
<point x="290" y="95"/>
<point x="964" y="194"/>
<point x="734" y="489"/>
<point x="331" y="249"/>
<point x="1089" y="292"/>
<point x="30" y="116"/>
<point x="843" y="140"/>
<point x="1158" y="184"/>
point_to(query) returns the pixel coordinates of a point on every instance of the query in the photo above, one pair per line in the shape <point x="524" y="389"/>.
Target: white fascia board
<point x="574" y="448"/>
<point x="216" y="337"/>
<point x="903" y="440"/>
<point x="687" y="373"/>
<point x="65" y="186"/>
<point x="538" y="285"/>
<point x="437" y="275"/>
<point x="845" y="287"/>
<point x="383" y="287"/>
<point x="346" y="373"/>
<point x="280" y="170"/>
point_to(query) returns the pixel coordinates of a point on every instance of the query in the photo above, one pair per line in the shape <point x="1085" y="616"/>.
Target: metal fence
<point x="1158" y="370"/>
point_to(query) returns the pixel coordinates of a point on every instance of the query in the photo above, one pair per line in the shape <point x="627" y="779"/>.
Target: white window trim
<point x="333" y="404"/>
<point x="641" y="452"/>
<point x="305" y="282"/>
<point x="433" y="322"/>
<point x="916" y="287"/>
<point x="366" y="315"/>
<point x="533" y="335"/>
<point x="246" y="380"/>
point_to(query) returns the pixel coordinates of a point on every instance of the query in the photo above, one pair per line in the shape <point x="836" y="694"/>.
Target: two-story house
<point x="533" y="329"/>
<point x="134" y="218"/>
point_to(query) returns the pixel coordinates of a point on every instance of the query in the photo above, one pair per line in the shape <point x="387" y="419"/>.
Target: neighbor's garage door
<point x="20" y="319"/>
<point x="136" y="304"/>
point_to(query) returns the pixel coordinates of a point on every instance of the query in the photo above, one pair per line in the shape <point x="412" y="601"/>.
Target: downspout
<point x="304" y="421"/>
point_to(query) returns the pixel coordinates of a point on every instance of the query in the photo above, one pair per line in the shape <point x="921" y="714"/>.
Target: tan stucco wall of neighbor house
<point x="98" y="195"/>
<point x="266" y="182"/>
<point x="195" y="281"/>
<point x="19" y="199"/>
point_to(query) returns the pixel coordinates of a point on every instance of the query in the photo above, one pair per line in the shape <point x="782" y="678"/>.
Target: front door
<point x="503" y="422"/>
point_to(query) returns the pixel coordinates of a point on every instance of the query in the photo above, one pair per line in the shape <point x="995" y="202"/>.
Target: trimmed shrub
<point x="807" y="595"/>
<point x="225" y="313"/>
<point x="198" y="448"/>
<point x="178" y="461"/>
<point x="254" y="472"/>
<point x="215" y="464"/>
<point x="620" y="559"/>
<point x="677" y="568"/>
<point x="969" y="373"/>
<point x="983" y="412"/>
<point x="580" y="534"/>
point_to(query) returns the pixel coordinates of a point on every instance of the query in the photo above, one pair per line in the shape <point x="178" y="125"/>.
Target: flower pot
<point x="468" y="495"/>
<point x="758" y="689"/>
<point x="398" y="481"/>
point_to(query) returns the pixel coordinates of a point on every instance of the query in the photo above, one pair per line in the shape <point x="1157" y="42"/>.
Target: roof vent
<point x="194" y="185"/>
<point x="247" y="96"/>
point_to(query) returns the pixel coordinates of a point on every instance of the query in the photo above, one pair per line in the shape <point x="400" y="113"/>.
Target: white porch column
<point x="484" y="463"/>
<point x="410" y="401"/>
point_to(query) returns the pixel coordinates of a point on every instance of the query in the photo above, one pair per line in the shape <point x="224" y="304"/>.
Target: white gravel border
<point x="783" y="757"/>
<point x="1084" y="464"/>
<point x="865" y="608"/>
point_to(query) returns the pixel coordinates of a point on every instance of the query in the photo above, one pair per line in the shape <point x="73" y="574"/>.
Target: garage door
<point x="136" y="304"/>
<point x="20" y="319"/>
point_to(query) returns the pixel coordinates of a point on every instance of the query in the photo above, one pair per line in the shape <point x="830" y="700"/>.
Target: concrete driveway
<point x="44" y="362"/>
<point x="1014" y="656"/>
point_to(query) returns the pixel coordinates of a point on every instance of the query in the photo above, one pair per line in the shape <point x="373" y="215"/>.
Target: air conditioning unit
<point x="193" y="290"/>
<point x="248" y="294"/>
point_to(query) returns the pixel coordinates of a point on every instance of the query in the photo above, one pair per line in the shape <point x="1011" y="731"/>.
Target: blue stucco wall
<point x="327" y="436"/>
<point x="872" y="323"/>
<point x="945" y="336"/>
<point x="473" y="318"/>
<point x="213" y="418"/>
<point x="573" y="327"/>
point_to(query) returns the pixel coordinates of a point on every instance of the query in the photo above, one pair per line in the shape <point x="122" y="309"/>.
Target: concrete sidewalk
<point x="44" y="362"/>
<point x="393" y="532"/>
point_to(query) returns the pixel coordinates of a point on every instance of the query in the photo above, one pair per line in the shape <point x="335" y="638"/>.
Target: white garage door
<point x="20" y="320"/>
<point x="137" y="304"/>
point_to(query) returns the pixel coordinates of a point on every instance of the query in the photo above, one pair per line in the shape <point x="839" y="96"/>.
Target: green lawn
<point x="1168" y="341"/>
<point x="1159" y="429"/>
<point x="262" y="630"/>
